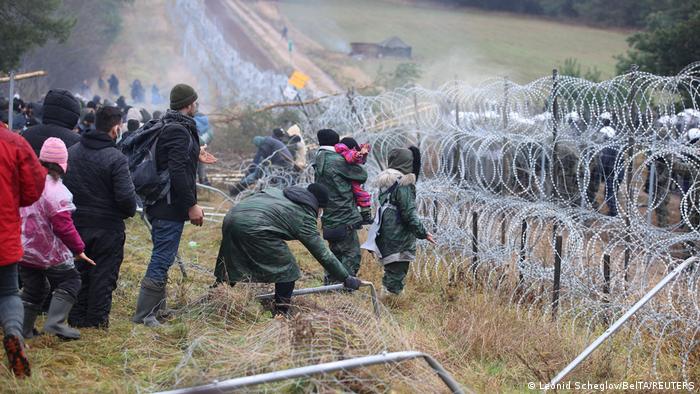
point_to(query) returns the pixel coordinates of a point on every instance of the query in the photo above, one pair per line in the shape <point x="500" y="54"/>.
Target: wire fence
<point x="569" y="197"/>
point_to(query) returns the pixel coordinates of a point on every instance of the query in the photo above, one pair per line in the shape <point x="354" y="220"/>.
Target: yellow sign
<point x="298" y="79"/>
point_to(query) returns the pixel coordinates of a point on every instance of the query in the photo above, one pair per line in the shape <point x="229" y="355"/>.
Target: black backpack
<point x="140" y="150"/>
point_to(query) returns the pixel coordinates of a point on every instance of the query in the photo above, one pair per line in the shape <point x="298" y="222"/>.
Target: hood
<point x="95" y="139"/>
<point x="177" y="117"/>
<point x="258" y="141"/>
<point x="402" y="160"/>
<point x="61" y="108"/>
<point x="387" y="178"/>
<point x="301" y="196"/>
<point x="133" y="113"/>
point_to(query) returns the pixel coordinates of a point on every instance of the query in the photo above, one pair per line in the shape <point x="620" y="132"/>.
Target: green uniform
<point x="341" y="213"/>
<point x="253" y="246"/>
<point x="400" y="224"/>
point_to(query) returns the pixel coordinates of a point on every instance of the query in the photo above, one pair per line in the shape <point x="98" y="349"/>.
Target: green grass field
<point x="463" y="43"/>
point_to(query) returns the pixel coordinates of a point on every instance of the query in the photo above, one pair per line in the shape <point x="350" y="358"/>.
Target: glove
<point x="352" y="283"/>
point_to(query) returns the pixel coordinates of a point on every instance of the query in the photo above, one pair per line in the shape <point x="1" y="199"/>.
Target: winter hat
<point x="61" y="108"/>
<point x="401" y="159"/>
<point x="133" y="125"/>
<point x="258" y="140"/>
<point x="327" y="137"/>
<point x="278" y="133"/>
<point x="350" y="143"/>
<point x="54" y="151"/>
<point x="89" y="118"/>
<point x="181" y="96"/>
<point x="133" y="113"/>
<point x="608" y="131"/>
<point x="320" y="192"/>
<point x="693" y="134"/>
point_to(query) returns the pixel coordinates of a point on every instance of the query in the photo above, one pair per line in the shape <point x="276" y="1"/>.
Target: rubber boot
<point x="61" y="304"/>
<point x="31" y="311"/>
<point x="151" y="297"/>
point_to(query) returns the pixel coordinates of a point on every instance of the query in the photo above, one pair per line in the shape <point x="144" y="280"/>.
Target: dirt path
<point x="269" y="37"/>
<point x="230" y="26"/>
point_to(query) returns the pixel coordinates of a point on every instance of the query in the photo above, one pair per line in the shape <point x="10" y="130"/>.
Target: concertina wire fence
<point x="566" y="196"/>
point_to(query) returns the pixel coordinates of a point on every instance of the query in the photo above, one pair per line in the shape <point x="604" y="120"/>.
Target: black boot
<point x="151" y="298"/>
<point x="31" y="311"/>
<point x="61" y="303"/>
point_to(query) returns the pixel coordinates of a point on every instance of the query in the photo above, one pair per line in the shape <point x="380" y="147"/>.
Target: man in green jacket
<point x="341" y="219"/>
<point x="253" y="247"/>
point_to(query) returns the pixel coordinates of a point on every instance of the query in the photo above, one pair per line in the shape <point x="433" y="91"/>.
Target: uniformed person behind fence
<point x="255" y="231"/>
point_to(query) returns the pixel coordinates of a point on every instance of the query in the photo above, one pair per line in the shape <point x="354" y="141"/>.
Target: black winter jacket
<point x="61" y="114"/>
<point x="177" y="150"/>
<point x="98" y="176"/>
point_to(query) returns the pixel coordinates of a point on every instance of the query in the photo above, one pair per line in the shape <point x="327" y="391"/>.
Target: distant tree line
<point x="618" y="13"/>
<point x="669" y="30"/>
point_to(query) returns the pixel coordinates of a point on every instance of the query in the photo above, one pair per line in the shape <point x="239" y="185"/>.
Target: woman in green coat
<point x="399" y="222"/>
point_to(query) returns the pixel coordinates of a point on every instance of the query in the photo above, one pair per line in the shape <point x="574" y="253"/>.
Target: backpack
<point x="140" y="150"/>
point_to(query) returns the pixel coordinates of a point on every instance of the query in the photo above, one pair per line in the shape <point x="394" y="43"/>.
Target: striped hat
<point x="54" y="151"/>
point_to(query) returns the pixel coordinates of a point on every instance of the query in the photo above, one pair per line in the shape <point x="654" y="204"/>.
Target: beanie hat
<point x="89" y="117"/>
<point x="278" y="133"/>
<point x="132" y="125"/>
<point x="320" y="192"/>
<point x="54" y="151"/>
<point x="134" y="113"/>
<point x="258" y="141"/>
<point x="693" y="134"/>
<point x="350" y="143"/>
<point x="181" y="96"/>
<point x="327" y="137"/>
<point x="401" y="159"/>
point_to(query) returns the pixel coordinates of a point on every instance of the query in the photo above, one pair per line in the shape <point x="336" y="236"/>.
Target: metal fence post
<point x="475" y="242"/>
<point x="523" y="246"/>
<point x="11" y="99"/>
<point x="557" y="274"/>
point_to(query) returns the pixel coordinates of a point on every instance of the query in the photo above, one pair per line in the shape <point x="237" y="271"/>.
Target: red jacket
<point x="22" y="180"/>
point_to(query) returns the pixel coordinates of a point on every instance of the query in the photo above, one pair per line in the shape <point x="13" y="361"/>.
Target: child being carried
<point x="356" y="154"/>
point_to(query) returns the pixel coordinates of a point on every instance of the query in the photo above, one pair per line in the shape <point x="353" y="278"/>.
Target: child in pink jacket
<point x="357" y="154"/>
<point x="51" y="243"/>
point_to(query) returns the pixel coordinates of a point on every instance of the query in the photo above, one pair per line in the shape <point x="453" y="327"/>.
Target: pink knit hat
<point x="54" y="151"/>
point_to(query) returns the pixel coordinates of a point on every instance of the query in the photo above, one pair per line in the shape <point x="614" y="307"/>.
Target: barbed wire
<point x="600" y="176"/>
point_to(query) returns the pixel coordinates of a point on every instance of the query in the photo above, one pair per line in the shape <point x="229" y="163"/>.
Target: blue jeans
<point x="166" y="236"/>
<point x="11" y="308"/>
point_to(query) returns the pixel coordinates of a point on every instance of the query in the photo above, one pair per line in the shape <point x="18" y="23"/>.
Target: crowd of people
<point x="71" y="176"/>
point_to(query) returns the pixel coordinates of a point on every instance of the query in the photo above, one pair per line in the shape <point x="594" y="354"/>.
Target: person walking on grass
<point x="397" y="218"/>
<point x="341" y="219"/>
<point x="51" y="243"/>
<point x="178" y="152"/>
<point x="22" y="180"/>
<point x="104" y="197"/>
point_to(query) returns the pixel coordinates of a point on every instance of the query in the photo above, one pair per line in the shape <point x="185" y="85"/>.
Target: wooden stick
<point x="19" y="77"/>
